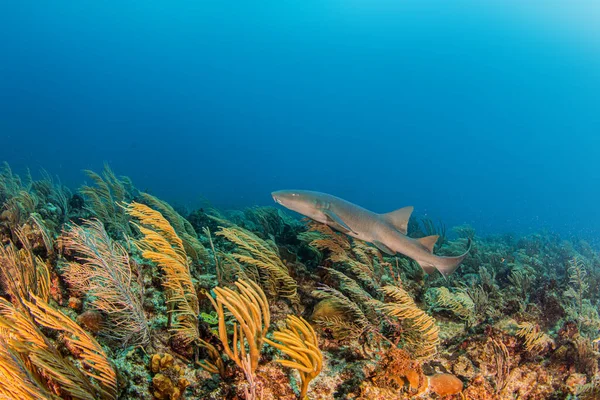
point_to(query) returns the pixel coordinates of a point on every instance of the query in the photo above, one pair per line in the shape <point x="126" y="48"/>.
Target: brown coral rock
<point x="168" y="383"/>
<point x="398" y="370"/>
<point x="326" y="308"/>
<point x="75" y="303"/>
<point x="93" y="321"/>
<point x="155" y="363"/>
<point x="166" y="362"/>
<point x="575" y="380"/>
<point x="164" y="388"/>
<point x="463" y="367"/>
<point x="479" y="389"/>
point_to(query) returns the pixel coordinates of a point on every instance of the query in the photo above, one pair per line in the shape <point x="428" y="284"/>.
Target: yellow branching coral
<point x="162" y="245"/>
<point x="38" y="364"/>
<point x="215" y="363"/>
<point x="254" y="251"/>
<point x="299" y="342"/>
<point x="422" y="333"/>
<point x="250" y="308"/>
<point x="184" y="229"/>
<point x="104" y="273"/>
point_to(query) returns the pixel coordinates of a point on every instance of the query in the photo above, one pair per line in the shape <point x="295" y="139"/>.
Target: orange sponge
<point x="445" y="384"/>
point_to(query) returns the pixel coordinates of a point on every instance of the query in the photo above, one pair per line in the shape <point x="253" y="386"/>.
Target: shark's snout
<point x="291" y="199"/>
<point x="276" y="198"/>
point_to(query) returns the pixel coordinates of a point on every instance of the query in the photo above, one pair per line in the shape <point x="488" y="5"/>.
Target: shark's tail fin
<point x="447" y="265"/>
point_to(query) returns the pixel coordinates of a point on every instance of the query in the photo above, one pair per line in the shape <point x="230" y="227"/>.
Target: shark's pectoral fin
<point x="336" y="222"/>
<point x="428" y="268"/>
<point x="429" y="241"/>
<point x="383" y="248"/>
<point x="399" y="218"/>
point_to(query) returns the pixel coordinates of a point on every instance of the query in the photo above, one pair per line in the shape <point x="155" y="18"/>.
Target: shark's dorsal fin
<point x="399" y="218"/>
<point x="429" y="241"/>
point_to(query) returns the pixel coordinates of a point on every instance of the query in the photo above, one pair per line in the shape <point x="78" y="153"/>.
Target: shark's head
<point x="302" y="201"/>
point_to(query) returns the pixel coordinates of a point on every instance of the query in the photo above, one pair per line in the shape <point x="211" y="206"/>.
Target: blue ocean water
<point x="485" y="113"/>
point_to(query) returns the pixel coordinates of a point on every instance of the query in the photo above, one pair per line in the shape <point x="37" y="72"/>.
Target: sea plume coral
<point x="183" y="228"/>
<point x="422" y="333"/>
<point x="103" y="199"/>
<point x="535" y="339"/>
<point x="97" y="365"/>
<point x="22" y="273"/>
<point x="459" y="303"/>
<point x="161" y="244"/>
<point x="104" y="273"/>
<point x="29" y="356"/>
<point x="253" y="251"/>
<point x="25" y="385"/>
<point x="342" y="316"/>
<point x="363" y="261"/>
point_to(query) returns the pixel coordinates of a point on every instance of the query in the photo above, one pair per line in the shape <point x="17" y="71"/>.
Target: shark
<point x="387" y="232"/>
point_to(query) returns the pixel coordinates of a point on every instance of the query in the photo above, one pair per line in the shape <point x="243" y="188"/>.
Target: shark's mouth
<point x="277" y="200"/>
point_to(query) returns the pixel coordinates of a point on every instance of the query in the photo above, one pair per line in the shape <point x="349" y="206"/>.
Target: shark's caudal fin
<point x="399" y="218"/>
<point x="447" y="265"/>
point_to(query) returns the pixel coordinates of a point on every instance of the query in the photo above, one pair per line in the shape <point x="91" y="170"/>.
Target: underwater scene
<point x="300" y="200"/>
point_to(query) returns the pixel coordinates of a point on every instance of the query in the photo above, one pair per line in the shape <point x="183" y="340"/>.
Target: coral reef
<point x="110" y="293"/>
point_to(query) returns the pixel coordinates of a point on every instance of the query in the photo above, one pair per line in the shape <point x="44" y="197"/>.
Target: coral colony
<point x="111" y="293"/>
